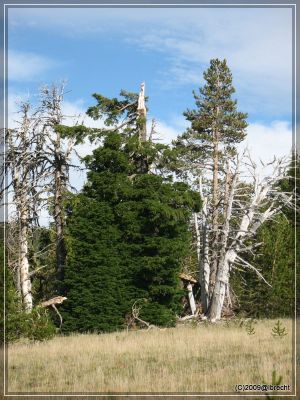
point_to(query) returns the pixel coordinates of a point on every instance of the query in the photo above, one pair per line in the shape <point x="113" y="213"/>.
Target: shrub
<point x="36" y="325"/>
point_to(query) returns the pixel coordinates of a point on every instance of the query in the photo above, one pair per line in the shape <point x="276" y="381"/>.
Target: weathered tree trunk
<point x="143" y="114"/>
<point x="25" y="281"/>
<point x="204" y="268"/>
<point x="21" y="168"/>
<point x="52" y="108"/>
<point x="59" y="188"/>
<point x="191" y="298"/>
<point x="198" y="238"/>
<point x="226" y="256"/>
<point x="215" y="215"/>
<point x="251" y="219"/>
<point x="222" y="281"/>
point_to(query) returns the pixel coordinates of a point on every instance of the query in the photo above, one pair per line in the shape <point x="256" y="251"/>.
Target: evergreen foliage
<point x="36" y="325"/>
<point x="92" y="281"/>
<point x="128" y="233"/>
<point x="42" y="261"/>
<point x="250" y="327"/>
<point x="276" y="261"/>
<point x="278" y="330"/>
<point x="214" y="122"/>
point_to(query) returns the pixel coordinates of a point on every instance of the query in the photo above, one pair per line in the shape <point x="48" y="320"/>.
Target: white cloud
<point x="76" y="112"/>
<point x="14" y="101"/>
<point x="26" y="66"/>
<point x="266" y="141"/>
<point x="263" y="140"/>
<point x="253" y="39"/>
<point x="164" y="133"/>
<point x="257" y="43"/>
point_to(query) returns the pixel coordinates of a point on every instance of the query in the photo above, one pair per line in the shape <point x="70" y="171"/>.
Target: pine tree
<point x="216" y="128"/>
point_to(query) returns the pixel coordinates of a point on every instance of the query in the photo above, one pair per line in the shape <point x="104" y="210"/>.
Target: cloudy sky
<point x="107" y="49"/>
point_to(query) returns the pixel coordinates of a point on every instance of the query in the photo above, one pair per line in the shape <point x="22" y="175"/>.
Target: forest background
<point x="253" y="297"/>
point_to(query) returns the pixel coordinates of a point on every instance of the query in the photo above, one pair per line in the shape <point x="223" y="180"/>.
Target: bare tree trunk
<point x="25" y="281"/>
<point x="191" y="298"/>
<point x="142" y="113"/>
<point x="226" y="257"/>
<point x="251" y="218"/>
<point x="52" y="107"/>
<point x="21" y="164"/>
<point x="215" y="216"/>
<point x="204" y="267"/>
<point x="220" y="289"/>
<point x="59" y="188"/>
<point x="198" y="237"/>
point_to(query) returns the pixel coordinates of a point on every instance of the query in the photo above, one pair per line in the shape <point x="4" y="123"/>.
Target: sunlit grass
<point x="203" y="358"/>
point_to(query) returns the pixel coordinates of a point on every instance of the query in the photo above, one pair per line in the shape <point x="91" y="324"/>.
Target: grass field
<point x="203" y="358"/>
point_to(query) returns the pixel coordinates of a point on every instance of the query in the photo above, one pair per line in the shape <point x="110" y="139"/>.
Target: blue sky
<point x="105" y="50"/>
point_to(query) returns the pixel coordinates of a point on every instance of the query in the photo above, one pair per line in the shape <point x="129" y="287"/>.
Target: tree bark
<point x="221" y="287"/>
<point x="215" y="212"/>
<point x="25" y="281"/>
<point x="143" y="113"/>
<point x="226" y="256"/>
<point x="204" y="267"/>
<point x="191" y="298"/>
<point x="252" y="218"/>
<point x="59" y="185"/>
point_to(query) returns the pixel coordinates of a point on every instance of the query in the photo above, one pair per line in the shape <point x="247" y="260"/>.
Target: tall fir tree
<point x="128" y="231"/>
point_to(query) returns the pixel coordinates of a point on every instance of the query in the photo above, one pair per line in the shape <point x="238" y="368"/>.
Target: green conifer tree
<point x="128" y="231"/>
<point x="216" y="128"/>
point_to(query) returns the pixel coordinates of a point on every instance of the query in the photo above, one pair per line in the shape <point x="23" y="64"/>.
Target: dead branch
<point x="52" y="303"/>
<point x="55" y="300"/>
<point x="136" y="311"/>
<point x="248" y="265"/>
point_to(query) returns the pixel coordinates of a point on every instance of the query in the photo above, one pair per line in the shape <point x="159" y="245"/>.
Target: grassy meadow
<point x="188" y="358"/>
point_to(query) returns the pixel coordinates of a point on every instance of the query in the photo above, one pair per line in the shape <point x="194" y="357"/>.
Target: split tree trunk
<point x="221" y="285"/>
<point x="142" y="111"/>
<point x="227" y="257"/>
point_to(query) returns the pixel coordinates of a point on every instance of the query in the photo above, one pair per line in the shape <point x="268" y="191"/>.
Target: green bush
<point x="36" y="325"/>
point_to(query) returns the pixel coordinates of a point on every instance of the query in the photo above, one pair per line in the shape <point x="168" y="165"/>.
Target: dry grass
<point x="212" y="358"/>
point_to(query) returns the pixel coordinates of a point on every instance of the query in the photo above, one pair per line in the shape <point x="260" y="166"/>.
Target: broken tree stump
<point x="52" y="302"/>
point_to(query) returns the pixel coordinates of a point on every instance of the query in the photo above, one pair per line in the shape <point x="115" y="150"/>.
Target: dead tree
<point x="57" y="154"/>
<point x="142" y="112"/>
<point x="203" y="248"/>
<point x="246" y="206"/>
<point x="37" y="162"/>
<point x="189" y="281"/>
<point x="136" y="308"/>
<point x="23" y="169"/>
